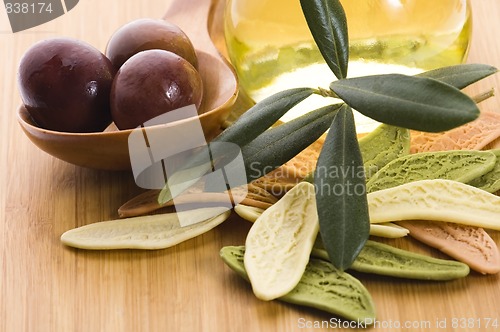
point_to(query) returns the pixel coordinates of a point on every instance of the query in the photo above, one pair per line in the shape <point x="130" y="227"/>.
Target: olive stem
<point x="483" y="96"/>
<point x="326" y="93"/>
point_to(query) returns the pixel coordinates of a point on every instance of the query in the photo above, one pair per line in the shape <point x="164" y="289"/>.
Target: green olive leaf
<point x="410" y="102"/>
<point x="328" y="24"/>
<point x="251" y="124"/>
<point x="278" y="145"/>
<point x="262" y="116"/>
<point x="341" y="192"/>
<point x="460" y="76"/>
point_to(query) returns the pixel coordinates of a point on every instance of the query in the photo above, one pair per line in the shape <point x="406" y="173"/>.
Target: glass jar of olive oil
<point x="272" y="49"/>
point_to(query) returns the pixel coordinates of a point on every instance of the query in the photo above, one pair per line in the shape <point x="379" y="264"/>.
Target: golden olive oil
<point x="272" y="49"/>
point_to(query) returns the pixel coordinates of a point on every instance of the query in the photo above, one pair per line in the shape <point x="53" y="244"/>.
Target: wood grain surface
<point x="45" y="286"/>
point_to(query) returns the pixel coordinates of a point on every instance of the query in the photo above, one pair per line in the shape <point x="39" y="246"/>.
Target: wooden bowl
<point x="108" y="150"/>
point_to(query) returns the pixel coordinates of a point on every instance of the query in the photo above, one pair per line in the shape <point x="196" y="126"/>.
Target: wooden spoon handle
<point x="140" y="205"/>
<point x="193" y="17"/>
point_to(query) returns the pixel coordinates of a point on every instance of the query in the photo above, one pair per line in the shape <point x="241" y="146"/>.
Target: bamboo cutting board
<point x="45" y="286"/>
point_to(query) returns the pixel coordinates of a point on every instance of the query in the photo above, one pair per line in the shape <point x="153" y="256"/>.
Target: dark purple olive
<point x="152" y="83"/>
<point x="146" y="34"/>
<point x="65" y="85"/>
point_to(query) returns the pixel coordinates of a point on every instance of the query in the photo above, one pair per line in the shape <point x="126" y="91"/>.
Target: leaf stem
<point x="483" y="96"/>
<point x="326" y="93"/>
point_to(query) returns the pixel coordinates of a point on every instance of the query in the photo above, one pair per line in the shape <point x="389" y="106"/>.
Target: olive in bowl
<point x="146" y="34"/>
<point x="150" y="84"/>
<point x="65" y="85"/>
<point x="109" y="150"/>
